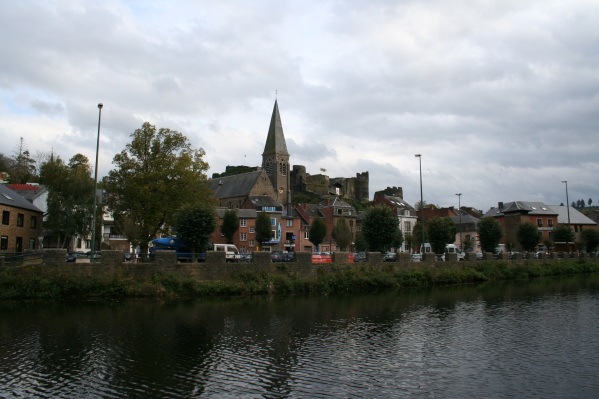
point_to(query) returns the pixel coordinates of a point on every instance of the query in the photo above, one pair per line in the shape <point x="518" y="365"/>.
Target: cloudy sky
<point x="501" y="98"/>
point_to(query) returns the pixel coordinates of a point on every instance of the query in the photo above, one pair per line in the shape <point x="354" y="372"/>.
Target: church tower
<point x="275" y="158"/>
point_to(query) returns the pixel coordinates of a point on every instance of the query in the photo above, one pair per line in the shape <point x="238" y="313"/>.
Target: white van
<point x="454" y="249"/>
<point x="231" y="252"/>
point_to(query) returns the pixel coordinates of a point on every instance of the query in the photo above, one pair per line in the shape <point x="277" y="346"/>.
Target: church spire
<point x="275" y="158"/>
<point x="275" y="141"/>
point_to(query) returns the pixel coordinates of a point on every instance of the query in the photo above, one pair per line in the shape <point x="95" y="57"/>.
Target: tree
<point x="563" y="233"/>
<point x="590" y="201"/>
<point x="230" y="225"/>
<point x="417" y="239"/>
<point x="590" y="238"/>
<point x="360" y="243"/>
<point x="156" y="174"/>
<point x="318" y="231"/>
<point x="194" y="224"/>
<point x="381" y="230"/>
<point x="489" y="233"/>
<point x="23" y="166"/>
<point x="70" y="197"/>
<point x="441" y="231"/>
<point x="263" y="228"/>
<point x="528" y="236"/>
<point x="342" y="234"/>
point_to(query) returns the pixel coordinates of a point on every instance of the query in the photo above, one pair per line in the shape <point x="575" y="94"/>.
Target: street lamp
<point x="460" y="215"/>
<point x="419" y="156"/>
<point x="567" y="202"/>
<point x="96" y="185"/>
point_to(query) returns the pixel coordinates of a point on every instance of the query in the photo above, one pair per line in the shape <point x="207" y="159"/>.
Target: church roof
<point x="234" y="186"/>
<point x="275" y="142"/>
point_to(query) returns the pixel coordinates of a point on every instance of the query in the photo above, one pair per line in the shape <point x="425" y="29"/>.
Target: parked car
<point x="282" y="256"/>
<point x="390" y="257"/>
<point x="359" y="257"/>
<point x="247" y="257"/>
<point x="72" y="256"/>
<point x="416" y="257"/>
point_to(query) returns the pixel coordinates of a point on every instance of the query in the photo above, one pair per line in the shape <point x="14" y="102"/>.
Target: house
<point x="466" y="231"/>
<point x="511" y="214"/>
<point x="575" y="219"/>
<point x="406" y="214"/>
<point x="21" y="225"/>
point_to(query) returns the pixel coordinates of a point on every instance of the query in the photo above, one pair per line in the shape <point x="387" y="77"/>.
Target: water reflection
<point x="518" y="339"/>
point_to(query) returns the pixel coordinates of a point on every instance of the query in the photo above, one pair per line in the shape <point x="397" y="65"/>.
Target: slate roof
<point x="31" y="193"/>
<point x="9" y="197"/>
<point x="530" y="208"/>
<point x="242" y="213"/>
<point x="260" y="201"/>
<point x="399" y="203"/>
<point x="275" y="141"/>
<point x="466" y="219"/>
<point x="234" y="186"/>
<point x="576" y="217"/>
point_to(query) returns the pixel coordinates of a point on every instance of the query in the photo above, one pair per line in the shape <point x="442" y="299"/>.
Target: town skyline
<point x="500" y="100"/>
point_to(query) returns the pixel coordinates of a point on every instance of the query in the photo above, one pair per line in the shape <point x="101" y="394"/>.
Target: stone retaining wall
<point x="215" y="268"/>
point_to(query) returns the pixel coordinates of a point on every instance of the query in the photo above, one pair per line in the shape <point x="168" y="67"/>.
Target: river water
<point x="538" y="338"/>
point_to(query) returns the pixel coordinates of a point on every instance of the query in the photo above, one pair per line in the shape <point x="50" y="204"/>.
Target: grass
<point x="36" y="281"/>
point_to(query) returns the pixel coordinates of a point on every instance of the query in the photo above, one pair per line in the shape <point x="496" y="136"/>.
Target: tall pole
<point x="567" y="202"/>
<point x="419" y="156"/>
<point x="96" y="185"/>
<point x="460" y="214"/>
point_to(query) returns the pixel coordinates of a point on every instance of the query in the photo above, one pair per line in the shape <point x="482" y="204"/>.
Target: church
<point x="269" y="189"/>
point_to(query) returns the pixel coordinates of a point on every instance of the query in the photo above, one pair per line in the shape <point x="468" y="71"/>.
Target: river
<point x="538" y="338"/>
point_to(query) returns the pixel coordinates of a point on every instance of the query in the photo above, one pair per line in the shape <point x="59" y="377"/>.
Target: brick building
<point x="21" y="225"/>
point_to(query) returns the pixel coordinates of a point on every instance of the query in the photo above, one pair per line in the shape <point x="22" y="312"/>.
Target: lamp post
<point x="567" y="202"/>
<point x="460" y="215"/>
<point x="96" y="185"/>
<point x="419" y="156"/>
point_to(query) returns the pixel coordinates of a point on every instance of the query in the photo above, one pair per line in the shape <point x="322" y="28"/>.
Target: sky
<point x="501" y="98"/>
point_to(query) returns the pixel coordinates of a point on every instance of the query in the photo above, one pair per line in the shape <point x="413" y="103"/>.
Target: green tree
<point x="342" y="234"/>
<point x="489" y="233"/>
<point x="380" y="229"/>
<point x="194" y="224"/>
<point x="263" y="228"/>
<point x="563" y="233"/>
<point x="70" y="197"/>
<point x="417" y="238"/>
<point x="441" y="231"/>
<point x="156" y="174"/>
<point x="230" y="225"/>
<point x="528" y="236"/>
<point x="318" y="231"/>
<point x="360" y="243"/>
<point x="590" y="238"/>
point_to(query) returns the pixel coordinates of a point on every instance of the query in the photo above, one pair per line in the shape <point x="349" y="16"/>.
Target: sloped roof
<point x="531" y="208"/>
<point x="576" y="217"/>
<point x="11" y="198"/>
<point x="466" y="219"/>
<point x="275" y="141"/>
<point x="29" y="191"/>
<point x="242" y="213"/>
<point x="234" y="186"/>
<point x="264" y="200"/>
<point x="399" y="202"/>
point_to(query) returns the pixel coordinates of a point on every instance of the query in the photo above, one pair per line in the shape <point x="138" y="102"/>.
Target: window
<point x="5" y="217"/>
<point x="19" y="243"/>
<point x="550" y="222"/>
<point x="32" y="243"/>
<point x="274" y="235"/>
<point x="283" y="168"/>
<point x="4" y="243"/>
<point x="407" y="227"/>
<point x="307" y="234"/>
<point x="243" y="222"/>
<point x="251" y="243"/>
<point x="243" y="237"/>
<point x="252" y="229"/>
<point x="20" y="219"/>
<point x="540" y="222"/>
<point x="33" y="222"/>
<point x="289" y="223"/>
<point x="273" y="222"/>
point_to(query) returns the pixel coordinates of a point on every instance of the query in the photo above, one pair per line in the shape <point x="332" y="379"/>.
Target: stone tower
<point x="275" y="158"/>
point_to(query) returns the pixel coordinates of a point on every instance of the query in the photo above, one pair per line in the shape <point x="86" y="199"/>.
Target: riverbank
<point x="41" y="282"/>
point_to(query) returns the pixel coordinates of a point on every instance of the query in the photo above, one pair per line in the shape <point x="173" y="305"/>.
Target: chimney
<point x="500" y="205"/>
